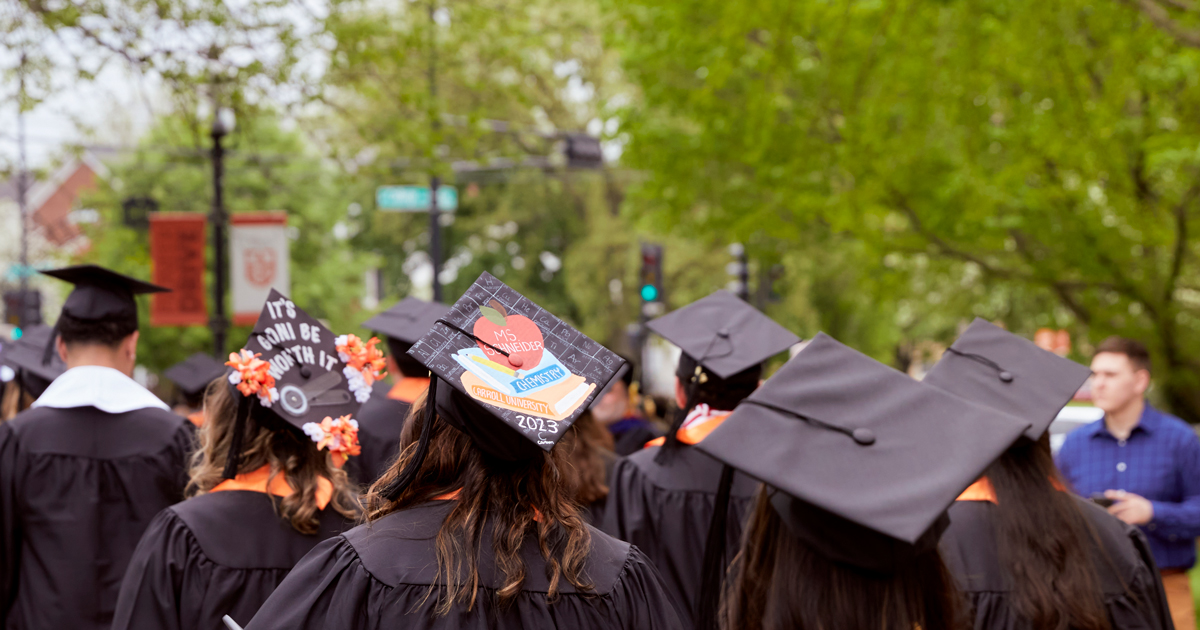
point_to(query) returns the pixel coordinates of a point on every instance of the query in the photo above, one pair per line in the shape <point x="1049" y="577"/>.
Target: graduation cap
<point x="863" y="460"/>
<point x="721" y="337"/>
<point x="512" y="376"/>
<point x="99" y="294"/>
<point x="991" y="366"/>
<point x="294" y="369"/>
<point x="408" y="320"/>
<point x="25" y="355"/>
<point x="193" y="374"/>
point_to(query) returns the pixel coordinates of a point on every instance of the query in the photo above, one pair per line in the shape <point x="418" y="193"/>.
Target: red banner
<point x="177" y="255"/>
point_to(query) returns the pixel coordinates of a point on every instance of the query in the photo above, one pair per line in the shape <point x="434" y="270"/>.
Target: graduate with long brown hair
<point x="858" y="463"/>
<point x="1029" y="553"/>
<point x="266" y="485"/>
<point x="477" y="524"/>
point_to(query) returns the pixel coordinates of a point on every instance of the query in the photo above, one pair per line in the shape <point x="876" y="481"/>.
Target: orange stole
<point x="256" y="481"/>
<point x="409" y="389"/>
<point x="982" y="490"/>
<point x="694" y="433"/>
<point x="196" y="418"/>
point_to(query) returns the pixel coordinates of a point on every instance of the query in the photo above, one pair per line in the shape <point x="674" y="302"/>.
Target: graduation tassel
<point x="409" y="474"/>
<point x="714" y="556"/>
<point x="234" y="460"/>
<point x="51" y="346"/>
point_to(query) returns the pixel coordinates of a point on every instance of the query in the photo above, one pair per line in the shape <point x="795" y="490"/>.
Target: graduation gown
<point x="1133" y="592"/>
<point x="78" y="487"/>
<point x="379" y="423"/>
<point x="377" y="575"/>
<point x="666" y="510"/>
<point x="217" y="554"/>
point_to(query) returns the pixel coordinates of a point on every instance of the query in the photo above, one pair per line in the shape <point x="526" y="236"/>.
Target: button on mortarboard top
<point x="854" y="445"/>
<point x="723" y="333"/>
<point x="993" y="367"/>
<point x="193" y="374"/>
<point x="520" y="375"/>
<point x="407" y="320"/>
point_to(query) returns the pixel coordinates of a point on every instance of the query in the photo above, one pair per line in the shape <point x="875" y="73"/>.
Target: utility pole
<point x="22" y="193"/>
<point x="435" y="223"/>
<point x="223" y="123"/>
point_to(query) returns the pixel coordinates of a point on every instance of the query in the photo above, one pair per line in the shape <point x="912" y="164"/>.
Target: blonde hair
<point x="287" y="452"/>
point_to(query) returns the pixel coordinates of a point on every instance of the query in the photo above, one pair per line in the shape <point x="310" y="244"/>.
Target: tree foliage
<point x="1046" y="151"/>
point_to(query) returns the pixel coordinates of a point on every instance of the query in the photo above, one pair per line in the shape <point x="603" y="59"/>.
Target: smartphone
<point x="1101" y="500"/>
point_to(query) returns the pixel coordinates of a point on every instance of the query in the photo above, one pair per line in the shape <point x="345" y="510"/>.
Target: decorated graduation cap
<point x="294" y="369"/>
<point x="863" y="461"/>
<point x="507" y="373"/>
<point x="724" y="340"/>
<point x="193" y="374"/>
<point x="100" y="294"/>
<point x="408" y="320"/>
<point x="24" y="356"/>
<point x="993" y="367"/>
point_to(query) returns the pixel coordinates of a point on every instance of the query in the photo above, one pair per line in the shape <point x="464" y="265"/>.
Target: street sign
<point x="415" y="198"/>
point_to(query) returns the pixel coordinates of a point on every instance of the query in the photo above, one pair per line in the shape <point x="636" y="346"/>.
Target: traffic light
<point x="651" y="280"/>
<point x="15" y="305"/>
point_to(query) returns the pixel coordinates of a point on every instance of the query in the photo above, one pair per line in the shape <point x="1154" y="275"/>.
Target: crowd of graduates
<point x="505" y="479"/>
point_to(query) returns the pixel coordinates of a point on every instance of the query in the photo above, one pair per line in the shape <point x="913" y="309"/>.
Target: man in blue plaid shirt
<point x="1145" y="461"/>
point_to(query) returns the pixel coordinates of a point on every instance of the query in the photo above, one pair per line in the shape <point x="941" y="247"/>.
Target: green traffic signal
<point x="649" y="292"/>
<point x="16" y="333"/>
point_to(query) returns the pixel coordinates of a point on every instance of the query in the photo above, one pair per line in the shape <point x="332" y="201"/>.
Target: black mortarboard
<point x="408" y="320"/>
<point x="518" y="376"/>
<point x="311" y="379"/>
<point x="193" y="374"/>
<point x="993" y="367"/>
<point x="723" y="333"/>
<point x="864" y="460"/>
<point x="101" y="293"/>
<point x="25" y="356"/>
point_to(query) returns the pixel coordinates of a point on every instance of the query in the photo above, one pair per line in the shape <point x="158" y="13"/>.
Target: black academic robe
<point x="634" y="438"/>
<point x="78" y="487"/>
<point x="377" y="576"/>
<point x="380" y="420"/>
<point x="217" y="554"/>
<point x="666" y="510"/>
<point x="1132" y="588"/>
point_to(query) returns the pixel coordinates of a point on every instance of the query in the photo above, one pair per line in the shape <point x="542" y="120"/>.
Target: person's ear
<point x="680" y="393"/>
<point x="129" y="346"/>
<point x="61" y="347"/>
<point x="1141" y="381"/>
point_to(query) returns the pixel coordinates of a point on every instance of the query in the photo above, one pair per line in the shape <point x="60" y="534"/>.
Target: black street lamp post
<point x="222" y="125"/>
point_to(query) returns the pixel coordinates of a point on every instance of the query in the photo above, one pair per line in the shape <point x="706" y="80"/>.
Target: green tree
<point x="267" y="168"/>
<point x="1040" y="152"/>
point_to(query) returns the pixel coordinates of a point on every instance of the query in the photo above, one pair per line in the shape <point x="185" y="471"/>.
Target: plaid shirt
<point x="1159" y="461"/>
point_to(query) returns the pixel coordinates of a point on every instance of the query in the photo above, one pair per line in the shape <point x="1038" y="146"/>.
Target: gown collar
<point x="101" y="387"/>
<point x="257" y="481"/>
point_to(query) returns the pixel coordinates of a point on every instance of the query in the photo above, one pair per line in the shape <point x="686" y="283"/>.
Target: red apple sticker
<point x="515" y="334"/>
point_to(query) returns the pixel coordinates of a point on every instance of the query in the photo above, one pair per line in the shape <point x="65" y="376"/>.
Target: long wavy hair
<point x="778" y="582"/>
<point x="592" y="453"/>
<point x="535" y="497"/>
<point x="1043" y="539"/>
<point x="286" y="450"/>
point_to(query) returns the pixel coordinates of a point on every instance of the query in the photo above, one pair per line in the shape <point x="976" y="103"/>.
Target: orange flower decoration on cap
<point x="252" y="376"/>
<point x="339" y="437"/>
<point x="364" y="364"/>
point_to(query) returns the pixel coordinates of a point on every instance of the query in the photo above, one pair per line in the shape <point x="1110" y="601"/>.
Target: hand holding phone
<point x="1099" y="499"/>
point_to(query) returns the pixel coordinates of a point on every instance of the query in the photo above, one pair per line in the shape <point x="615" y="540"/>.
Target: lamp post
<point x="222" y="126"/>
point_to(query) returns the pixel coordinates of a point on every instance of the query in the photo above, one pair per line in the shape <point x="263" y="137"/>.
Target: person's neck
<point x="97" y="356"/>
<point x="1121" y="422"/>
